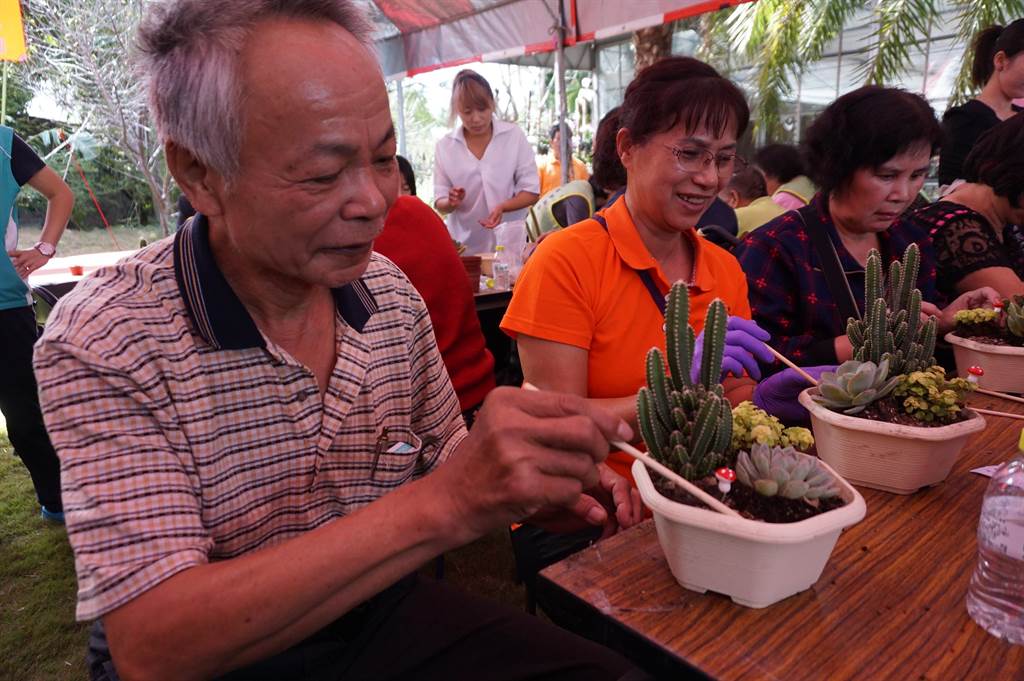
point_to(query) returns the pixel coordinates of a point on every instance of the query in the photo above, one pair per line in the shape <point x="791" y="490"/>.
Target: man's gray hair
<point x="189" y="53"/>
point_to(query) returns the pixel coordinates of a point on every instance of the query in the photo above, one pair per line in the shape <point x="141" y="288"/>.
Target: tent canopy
<point x="414" y="36"/>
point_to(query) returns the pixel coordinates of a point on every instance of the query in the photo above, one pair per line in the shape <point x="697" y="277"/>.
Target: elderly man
<point x="258" y="438"/>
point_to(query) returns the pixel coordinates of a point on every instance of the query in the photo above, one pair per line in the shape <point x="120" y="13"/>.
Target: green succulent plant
<point x="929" y="396"/>
<point x="1015" y="316"/>
<point x="978" y="315"/>
<point x="854" y="385"/>
<point x="687" y="425"/>
<point x="784" y="472"/>
<point x="891" y="327"/>
<point x="751" y="424"/>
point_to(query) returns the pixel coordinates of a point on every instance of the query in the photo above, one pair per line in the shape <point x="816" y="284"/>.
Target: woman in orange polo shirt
<point x="590" y="302"/>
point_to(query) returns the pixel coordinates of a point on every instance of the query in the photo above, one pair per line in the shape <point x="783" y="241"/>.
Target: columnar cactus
<point x="686" y="425"/>
<point x="892" y="327"/>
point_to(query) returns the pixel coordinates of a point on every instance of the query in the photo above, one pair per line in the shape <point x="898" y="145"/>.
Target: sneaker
<point x="52" y="516"/>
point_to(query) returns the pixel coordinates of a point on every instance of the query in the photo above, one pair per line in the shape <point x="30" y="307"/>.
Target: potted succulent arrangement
<point x="890" y="418"/>
<point x="785" y="508"/>
<point x="992" y="340"/>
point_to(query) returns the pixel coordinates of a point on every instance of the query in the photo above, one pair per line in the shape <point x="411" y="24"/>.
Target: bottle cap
<point x="499" y="248"/>
<point x="1020" y="442"/>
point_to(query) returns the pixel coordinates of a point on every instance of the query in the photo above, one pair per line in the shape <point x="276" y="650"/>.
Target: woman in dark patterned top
<point x="998" y="69"/>
<point x="869" y="153"/>
<point x="978" y="229"/>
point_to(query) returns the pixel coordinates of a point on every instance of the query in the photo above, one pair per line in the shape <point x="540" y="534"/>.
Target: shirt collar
<point x="631" y="248"/>
<point x="216" y="311"/>
<point x="500" y="128"/>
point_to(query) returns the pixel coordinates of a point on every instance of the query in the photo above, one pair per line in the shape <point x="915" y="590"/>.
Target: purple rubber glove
<point x="744" y="346"/>
<point x="778" y="393"/>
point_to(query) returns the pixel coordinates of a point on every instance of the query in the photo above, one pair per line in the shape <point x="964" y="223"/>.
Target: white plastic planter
<point x="887" y="456"/>
<point x="1003" y="365"/>
<point x="753" y="562"/>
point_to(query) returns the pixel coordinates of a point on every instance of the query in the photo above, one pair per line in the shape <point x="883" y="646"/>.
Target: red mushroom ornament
<point x="974" y="374"/>
<point x="725" y="476"/>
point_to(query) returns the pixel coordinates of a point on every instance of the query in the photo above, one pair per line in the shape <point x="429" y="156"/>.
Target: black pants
<point x="422" y="629"/>
<point x="19" y="402"/>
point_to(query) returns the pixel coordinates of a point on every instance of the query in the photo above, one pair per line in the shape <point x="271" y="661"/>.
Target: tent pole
<point x="400" y="104"/>
<point x="563" y="137"/>
<point x="3" y="96"/>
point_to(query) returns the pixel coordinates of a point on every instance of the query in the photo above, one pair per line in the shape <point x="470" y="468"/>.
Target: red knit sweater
<point x="416" y="240"/>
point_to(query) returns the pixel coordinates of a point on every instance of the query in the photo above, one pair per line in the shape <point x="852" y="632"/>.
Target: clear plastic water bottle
<point x="995" y="597"/>
<point x="502" y="271"/>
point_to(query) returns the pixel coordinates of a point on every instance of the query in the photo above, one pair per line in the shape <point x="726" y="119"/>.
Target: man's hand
<point x="494" y="219"/>
<point x="613" y="504"/>
<point x="985" y="296"/>
<point x="529" y="451"/>
<point x="28" y="261"/>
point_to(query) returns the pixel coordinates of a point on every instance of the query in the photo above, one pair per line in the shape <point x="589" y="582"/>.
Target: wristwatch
<point x="46" y="249"/>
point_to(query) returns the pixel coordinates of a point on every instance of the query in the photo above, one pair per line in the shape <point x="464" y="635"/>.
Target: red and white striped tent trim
<point x="414" y="36"/>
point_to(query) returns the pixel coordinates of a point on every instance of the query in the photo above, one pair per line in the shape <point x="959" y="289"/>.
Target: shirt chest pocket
<point x="395" y="457"/>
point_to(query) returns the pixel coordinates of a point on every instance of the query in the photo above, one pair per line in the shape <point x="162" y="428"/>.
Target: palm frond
<point x="827" y="20"/>
<point x="975" y="15"/>
<point x="901" y="26"/>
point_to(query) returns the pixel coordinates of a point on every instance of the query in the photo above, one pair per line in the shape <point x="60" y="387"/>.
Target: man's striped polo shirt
<point x="186" y="436"/>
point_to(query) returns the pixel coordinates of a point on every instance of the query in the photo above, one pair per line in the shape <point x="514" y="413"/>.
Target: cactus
<point x="1015" y="316"/>
<point x="854" y="386"/>
<point x="891" y="328"/>
<point x="928" y="396"/>
<point x="687" y="426"/>
<point x="751" y="425"/>
<point x="784" y="472"/>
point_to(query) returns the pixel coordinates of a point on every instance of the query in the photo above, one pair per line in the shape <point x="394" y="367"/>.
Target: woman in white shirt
<point x="485" y="171"/>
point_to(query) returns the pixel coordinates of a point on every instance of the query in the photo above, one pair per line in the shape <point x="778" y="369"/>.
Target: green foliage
<point x="929" y="396"/>
<point x="899" y="26"/>
<point x="854" y="386"/>
<point x="978" y="315"/>
<point x="752" y="425"/>
<point x="784" y="472"/>
<point x="1015" y="316"/>
<point x="892" y="327"/>
<point x="686" y="426"/>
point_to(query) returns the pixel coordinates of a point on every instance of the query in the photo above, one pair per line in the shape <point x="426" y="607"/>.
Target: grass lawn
<point x="39" y="638"/>
<point x="78" y="241"/>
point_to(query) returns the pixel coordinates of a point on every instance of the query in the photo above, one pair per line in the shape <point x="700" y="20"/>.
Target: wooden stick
<point x="679" y="480"/>
<point x="992" y="412"/>
<point x="993" y="393"/>
<point x="785" y="360"/>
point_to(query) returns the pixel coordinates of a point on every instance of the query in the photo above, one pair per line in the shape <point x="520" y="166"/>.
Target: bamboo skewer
<point x="666" y="472"/>
<point x="993" y="412"/>
<point x="785" y="360"/>
<point x="993" y="393"/>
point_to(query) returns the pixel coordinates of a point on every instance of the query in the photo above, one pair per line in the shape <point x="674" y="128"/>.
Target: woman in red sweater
<point x="416" y="240"/>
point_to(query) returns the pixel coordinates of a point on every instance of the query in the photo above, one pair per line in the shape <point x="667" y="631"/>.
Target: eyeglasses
<point x="696" y="159"/>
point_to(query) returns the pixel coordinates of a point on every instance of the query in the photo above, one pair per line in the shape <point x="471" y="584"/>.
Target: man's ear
<point x="203" y="186"/>
<point x="730" y="196"/>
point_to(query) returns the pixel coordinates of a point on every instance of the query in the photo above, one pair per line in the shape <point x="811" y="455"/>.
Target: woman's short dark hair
<point x="781" y="161"/>
<point x="864" y="129"/>
<point x="990" y="41"/>
<point x="608" y="170"/>
<point x="997" y="160"/>
<point x="682" y="90"/>
<point x="749" y="183"/>
<point x="405" y="168"/>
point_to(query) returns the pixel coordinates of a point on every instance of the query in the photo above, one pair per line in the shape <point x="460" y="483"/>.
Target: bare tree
<point x="83" y="50"/>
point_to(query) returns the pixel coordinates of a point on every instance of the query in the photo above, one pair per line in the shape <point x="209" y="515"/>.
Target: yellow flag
<point x="12" y="34"/>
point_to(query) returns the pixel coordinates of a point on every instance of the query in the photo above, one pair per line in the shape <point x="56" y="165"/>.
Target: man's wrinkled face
<point x="317" y="166"/>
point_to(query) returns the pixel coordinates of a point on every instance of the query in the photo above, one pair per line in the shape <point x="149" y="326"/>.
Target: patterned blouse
<point x="965" y="242"/>
<point x="788" y="292"/>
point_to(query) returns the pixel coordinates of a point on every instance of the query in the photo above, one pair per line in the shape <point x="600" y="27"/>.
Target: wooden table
<point x="890" y="603"/>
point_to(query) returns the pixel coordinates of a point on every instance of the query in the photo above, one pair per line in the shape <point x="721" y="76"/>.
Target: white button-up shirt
<point x="508" y="167"/>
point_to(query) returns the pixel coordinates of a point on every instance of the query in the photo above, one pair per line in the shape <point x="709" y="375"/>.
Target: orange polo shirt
<point x="581" y="287"/>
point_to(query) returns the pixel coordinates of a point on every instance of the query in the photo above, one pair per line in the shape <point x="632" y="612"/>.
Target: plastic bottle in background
<point x="995" y="597"/>
<point x="502" y="275"/>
